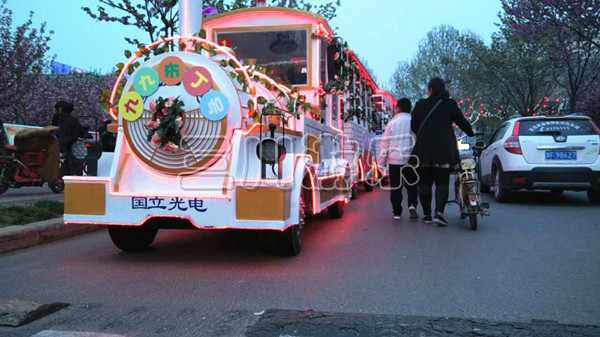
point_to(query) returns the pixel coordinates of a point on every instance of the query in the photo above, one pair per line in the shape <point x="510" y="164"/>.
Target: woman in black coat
<point x="436" y="146"/>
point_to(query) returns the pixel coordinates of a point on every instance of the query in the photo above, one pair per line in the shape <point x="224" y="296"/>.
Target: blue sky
<point x="382" y="32"/>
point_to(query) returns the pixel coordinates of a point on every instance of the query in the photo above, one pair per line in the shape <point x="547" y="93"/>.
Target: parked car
<point x="543" y="153"/>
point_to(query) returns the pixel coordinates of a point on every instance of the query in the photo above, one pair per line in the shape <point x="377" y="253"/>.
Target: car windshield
<point x="283" y="52"/>
<point x="556" y="127"/>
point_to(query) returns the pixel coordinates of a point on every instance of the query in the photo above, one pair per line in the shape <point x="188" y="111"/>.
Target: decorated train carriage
<point x="261" y="121"/>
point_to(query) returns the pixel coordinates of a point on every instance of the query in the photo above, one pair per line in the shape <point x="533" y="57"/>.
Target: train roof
<point x="315" y="18"/>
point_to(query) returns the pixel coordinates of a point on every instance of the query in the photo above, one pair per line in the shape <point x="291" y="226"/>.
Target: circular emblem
<point x="171" y="70"/>
<point x="214" y="105"/>
<point x="225" y="42"/>
<point x="145" y="81"/>
<point x="131" y="106"/>
<point x="197" y="81"/>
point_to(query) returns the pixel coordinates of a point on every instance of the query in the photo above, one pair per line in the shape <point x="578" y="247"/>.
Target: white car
<point x="543" y="153"/>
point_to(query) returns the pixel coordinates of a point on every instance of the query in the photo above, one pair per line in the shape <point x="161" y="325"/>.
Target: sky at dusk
<point x="382" y="32"/>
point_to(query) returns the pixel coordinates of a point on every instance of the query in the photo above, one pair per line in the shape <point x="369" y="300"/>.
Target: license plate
<point x="561" y="155"/>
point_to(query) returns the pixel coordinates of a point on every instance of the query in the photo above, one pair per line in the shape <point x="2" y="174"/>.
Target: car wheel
<point x="132" y="238"/>
<point x="501" y="194"/>
<point x="594" y="196"/>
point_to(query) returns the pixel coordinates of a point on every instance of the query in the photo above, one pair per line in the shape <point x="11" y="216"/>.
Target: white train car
<point x="247" y="128"/>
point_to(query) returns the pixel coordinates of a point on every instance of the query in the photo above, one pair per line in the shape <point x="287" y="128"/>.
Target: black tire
<point x="594" y="196"/>
<point x="336" y="211"/>
<point x="501" y="194"/>
<point x="57" y="187"/>
<point x="354" y="192"/>
<point x="473" y="221"/>
<point x="368" y="186"/>
<point x="132" y="239"/>
<point x="289" y="242"/>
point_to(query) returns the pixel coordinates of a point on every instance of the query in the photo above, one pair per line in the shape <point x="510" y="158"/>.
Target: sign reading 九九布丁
<point x="176" y="203"/>
<point x="197" y="81"/>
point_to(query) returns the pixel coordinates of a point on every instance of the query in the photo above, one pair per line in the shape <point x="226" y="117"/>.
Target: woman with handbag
<point x="436" y="147"/>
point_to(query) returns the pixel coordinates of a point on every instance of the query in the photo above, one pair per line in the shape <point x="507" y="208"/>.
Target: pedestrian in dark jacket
<point x="436" y="146"/>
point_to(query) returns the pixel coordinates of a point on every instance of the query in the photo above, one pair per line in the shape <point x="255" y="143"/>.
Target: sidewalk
<point x="19" y="237"/>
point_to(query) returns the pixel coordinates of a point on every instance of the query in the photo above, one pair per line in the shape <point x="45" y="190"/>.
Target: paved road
<point x="536" y="258"/>
<point x="29" y="194"/>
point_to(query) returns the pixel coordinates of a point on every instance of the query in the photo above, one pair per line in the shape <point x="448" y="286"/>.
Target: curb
<point x="36" y="233"/>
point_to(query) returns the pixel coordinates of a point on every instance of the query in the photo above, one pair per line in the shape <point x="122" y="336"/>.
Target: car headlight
<point x="79" y="150"/>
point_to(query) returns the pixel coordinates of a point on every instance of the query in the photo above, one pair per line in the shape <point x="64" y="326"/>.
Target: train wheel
<point x="336" y="210"/>
<point x="354" y="192"/>
<point x="290" y="240"/>
<point x="368" y="185"/>
<point x="132" y="239"/>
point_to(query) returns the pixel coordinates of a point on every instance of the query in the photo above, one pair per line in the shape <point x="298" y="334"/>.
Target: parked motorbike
<point x="32" y="164"/>
<point x="466" y="188"/>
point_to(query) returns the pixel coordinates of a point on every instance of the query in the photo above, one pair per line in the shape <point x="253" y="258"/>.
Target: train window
<point x="283" y="52"/>
<point x="323" y="64"/>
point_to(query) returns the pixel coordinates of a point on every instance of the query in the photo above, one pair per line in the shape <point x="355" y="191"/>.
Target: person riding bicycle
<point x="436" y="147"/>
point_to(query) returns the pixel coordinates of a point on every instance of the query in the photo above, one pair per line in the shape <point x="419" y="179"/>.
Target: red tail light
<point x="512" y="144"/>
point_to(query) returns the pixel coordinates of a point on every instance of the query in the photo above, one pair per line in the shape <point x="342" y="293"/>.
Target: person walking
<point x="69" y="131"/>
<point x="395" y="151"/>
<point x="436" y="146"/>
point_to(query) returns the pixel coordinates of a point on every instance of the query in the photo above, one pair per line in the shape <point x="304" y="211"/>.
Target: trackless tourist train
<point x="264" y="118"/>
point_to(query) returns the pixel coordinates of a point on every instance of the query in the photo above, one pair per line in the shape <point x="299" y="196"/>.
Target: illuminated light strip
<point x="114" y="193"/>
<point x="243" y="182"/>
<point x="247" y="132"/>
<point x="375" y="168"/>
<point x="313" y="191"/>
<point x="334" y="200"/>
<point x="335" y="175"/>
<point x="137" y="54"/>
<point x="362" y="169"/>
<point x="182" y="217"/>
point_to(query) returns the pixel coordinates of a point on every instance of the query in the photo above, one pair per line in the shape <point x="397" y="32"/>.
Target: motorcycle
<point x="34" y="160"/>
<point x="31" y="163"/>
<point x="466" y="188"/>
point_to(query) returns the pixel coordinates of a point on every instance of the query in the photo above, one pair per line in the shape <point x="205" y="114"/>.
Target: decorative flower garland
<point x="164" y="130"/>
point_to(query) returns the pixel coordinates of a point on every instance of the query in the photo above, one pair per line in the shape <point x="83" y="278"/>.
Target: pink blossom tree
<point x="23" y="59"/>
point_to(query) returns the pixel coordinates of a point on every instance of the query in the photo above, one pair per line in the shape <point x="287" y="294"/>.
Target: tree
<point x="568" y="32"/>
<point x="159" y="18"/>
<point x="440" y="54"/>
<point x="533" y="18"/>
<point x="512" y="74"/>
<point x="22" y="60"/>
<point x="81" y="89"/>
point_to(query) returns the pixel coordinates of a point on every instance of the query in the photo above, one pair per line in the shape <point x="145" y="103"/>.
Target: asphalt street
<point x="534" y="258"/>
<point x="29" y="194"/>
